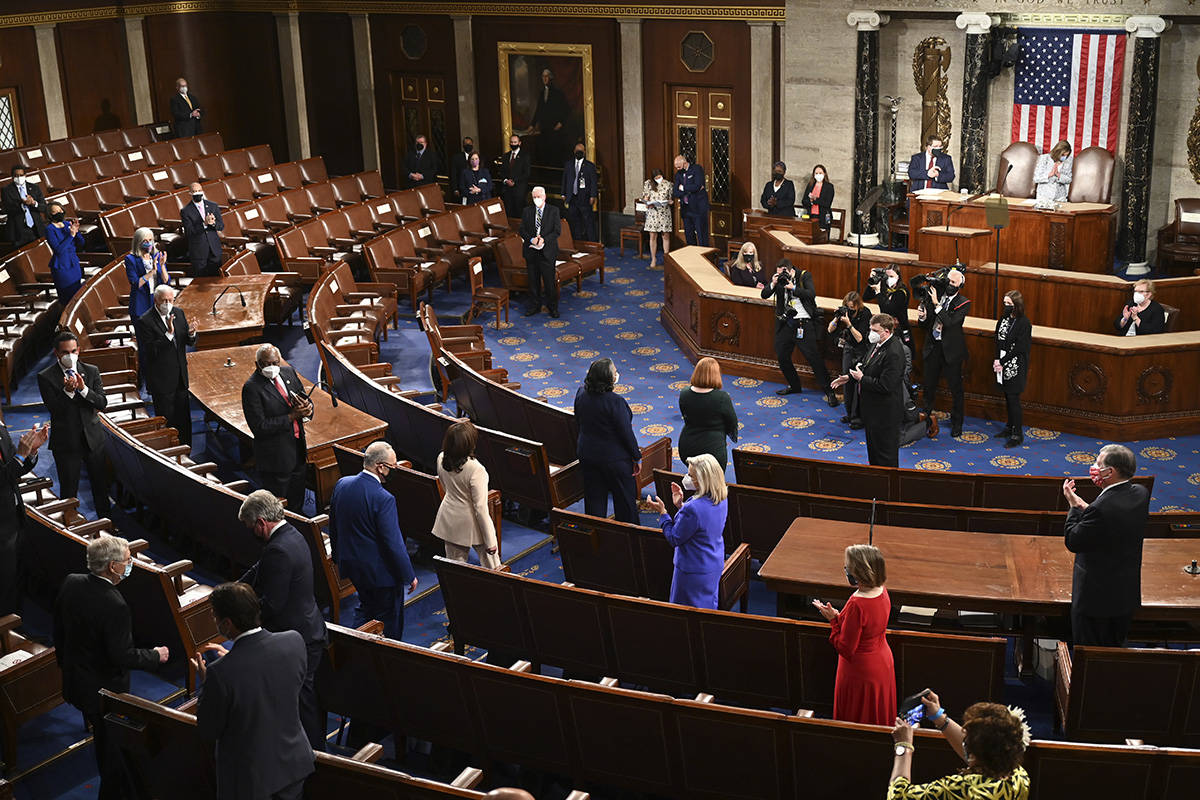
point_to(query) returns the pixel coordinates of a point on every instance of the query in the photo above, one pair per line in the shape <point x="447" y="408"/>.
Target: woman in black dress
<point x="745" y="270"/>
<point x="607" y="449"/>
<point x="853" y="327"/>
<point x="892" y="295"/>
<point x="818" y="197"/>
<point x="1014" y="334"/>
<point x="708" y="415"/>
<point x="1145" y="316"/>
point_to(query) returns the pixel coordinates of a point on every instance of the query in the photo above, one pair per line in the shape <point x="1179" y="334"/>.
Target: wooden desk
<point x="233" y="324"/>
<point x="975" y="571"/>
<point x="971" y="246"/>
<point x="218" y="388"/>
<point x="755" y="222"/>
<point x="1078" y="236"/>
<point x="1093" y="384"/>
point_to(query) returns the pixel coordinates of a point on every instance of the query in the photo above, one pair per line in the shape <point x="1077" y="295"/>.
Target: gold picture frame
<point x="521" y="65"/>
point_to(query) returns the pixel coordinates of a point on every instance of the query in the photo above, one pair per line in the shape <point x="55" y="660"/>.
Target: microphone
<point x="322" y="384"/>
<point x="1003" y="180"/>
<point x="241" y="297"/>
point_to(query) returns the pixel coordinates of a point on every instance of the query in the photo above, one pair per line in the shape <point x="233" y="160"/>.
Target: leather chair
<point x="1179" y="240"/>
<point x="1091" y="176"/>
<point x="1023" y="157"/>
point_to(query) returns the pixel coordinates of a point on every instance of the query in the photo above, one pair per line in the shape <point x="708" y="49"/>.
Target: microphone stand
<point x="241" y="297"/>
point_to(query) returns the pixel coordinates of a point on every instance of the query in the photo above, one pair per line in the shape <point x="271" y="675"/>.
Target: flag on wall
<point x="1068" y="86"/>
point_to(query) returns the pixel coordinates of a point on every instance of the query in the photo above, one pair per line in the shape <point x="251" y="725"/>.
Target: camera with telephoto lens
<point x="878" y="276"/>
<point x="938" y="279"/>
<point x="842" y="312"/>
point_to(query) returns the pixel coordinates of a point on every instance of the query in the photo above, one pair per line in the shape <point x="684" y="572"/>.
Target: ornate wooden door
<point x="418" y="106"/>
<point x="702" y="130"/>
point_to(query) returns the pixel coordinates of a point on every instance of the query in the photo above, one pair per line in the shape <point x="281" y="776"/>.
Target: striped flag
<point x="1068" y="86"/>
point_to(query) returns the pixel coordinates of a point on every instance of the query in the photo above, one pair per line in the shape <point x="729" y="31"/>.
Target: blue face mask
<point x="128" y="569"/>
<point x="147" y="245"/>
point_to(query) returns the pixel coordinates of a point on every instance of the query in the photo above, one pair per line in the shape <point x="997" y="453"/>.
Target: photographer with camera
<point x="879" y="381"/>
<point x="885" y="287"/>
<point x="796" y="324"/>
<point x="854" y="321"/>
<point x="942" y="312"/>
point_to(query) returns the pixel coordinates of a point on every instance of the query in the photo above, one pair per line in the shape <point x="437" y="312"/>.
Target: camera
<point x="878" y="276"/>
<point x="843" y="311"/>
<point x="938" y="279"/>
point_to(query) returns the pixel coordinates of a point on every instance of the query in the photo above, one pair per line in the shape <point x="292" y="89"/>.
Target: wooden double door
<point x="702" y="130"/>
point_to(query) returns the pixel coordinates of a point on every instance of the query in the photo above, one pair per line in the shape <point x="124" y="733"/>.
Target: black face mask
<point x="748" y="258"/>
<point x="467" y="148"/>
<point x="578" y="155"/>
<point x="778" y="176"/>
<point x="1009" y="309"/>
<point x="196" y="198"/>
<point x="58" y="217"/>
<point x="951" y="290"/>
<point x="937" y="151"/>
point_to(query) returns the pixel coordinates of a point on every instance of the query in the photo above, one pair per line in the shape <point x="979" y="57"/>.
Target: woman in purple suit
<point x="697" y="532"/>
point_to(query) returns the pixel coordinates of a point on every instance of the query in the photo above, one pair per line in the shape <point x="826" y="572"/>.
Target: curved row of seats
<point x="35" y="156"/>
<point x="67" y="175"/>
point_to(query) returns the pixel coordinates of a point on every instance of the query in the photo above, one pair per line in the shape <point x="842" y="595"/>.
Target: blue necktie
<point x="25" y="208"/>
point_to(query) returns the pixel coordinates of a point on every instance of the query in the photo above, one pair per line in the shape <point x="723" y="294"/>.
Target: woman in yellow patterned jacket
<point x="992" y="740"/>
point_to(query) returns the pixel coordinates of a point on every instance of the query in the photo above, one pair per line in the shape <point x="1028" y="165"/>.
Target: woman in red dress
<point x="865" y="690"/>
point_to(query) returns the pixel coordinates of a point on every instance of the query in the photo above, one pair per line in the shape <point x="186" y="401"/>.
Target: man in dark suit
<point x="880" y="379"/>
<point x="248" y="702"/>
<point x="945" y="346"/>
<point x="185" y="110"/>
<point x="93" y="643"/>
<point x="275" y="406"/>
<point x="514" y="174"/>
<point x="458" y="162"/>
<point x="796" y="325"/>
<point x="689" y="188"/>
<point x="932" y="168"/>
<point x="421" y="163"/>
<point x="15" y="461"/>
<point x="367" y="543"/>
<point x="283" y="580"/>
<point x="1106" y="538"/>
<point x="540" y="226"/>
<point x="73" y="392"/>
<point x="25" y="206"/>
<point x="164" y="336"/>
<point x="201" y="222"/>
<point x="550" y="117"/>
<point x="580" y="187"/>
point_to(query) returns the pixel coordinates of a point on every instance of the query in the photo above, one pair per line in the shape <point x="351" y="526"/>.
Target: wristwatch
<point x="903" y="747"/>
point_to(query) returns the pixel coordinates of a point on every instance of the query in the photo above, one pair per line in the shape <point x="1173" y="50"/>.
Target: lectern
<point x="942" y="245"/>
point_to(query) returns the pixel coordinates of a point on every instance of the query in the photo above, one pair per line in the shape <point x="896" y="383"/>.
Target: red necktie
<point x="283" y="393"/>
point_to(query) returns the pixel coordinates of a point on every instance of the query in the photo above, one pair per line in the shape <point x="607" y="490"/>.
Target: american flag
<point x="1068" y="86"/>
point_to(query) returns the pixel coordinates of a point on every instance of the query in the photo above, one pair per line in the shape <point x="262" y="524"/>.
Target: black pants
<point x="1098" y="631"/>
<point x="883" y="442"/>
<point x="25" y="234"/>
<point x="514" y="200"/>
<point x="206" y="266"/>
<point x="935" y="367"/>
<point x="602" y="478"/>
<point x="312" y="716"/>
<point x="114" y="781"/>
<point x="175" y="406"/>
<point x="12" y="565"/>
<point x="786" y="342"/>
<point x="695" y="227"/>
<point x="849" y="358"/>
<point x="69" y="464"/>
<point x="582" y="221"/>
<point x="1012" y="401"/>
<point x="288" y="485"/>
<point x="543" y="288"/>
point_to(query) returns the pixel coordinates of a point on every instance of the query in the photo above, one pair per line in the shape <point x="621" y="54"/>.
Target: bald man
<point x="201" y="222"/>
<point x="945" y="347"/>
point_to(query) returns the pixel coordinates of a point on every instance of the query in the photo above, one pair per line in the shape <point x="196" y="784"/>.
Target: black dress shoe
<point x="832" y="399"/>
<point x="845" y="419"/>
<point x="1015" y="441"/>
<point x="788" y="390"/>
<point x="856" y="424"/>
<point x="554" y="314"/>
<point x="956" y="431"/>
<point x="1005" y="433"/>
<point x="531" y="310"/>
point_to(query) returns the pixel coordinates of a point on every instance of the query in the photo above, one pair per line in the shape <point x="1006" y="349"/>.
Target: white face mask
<point x="183" y="90"/>
<point x="270" y="372"/>
<point x="539" y="201"/>
<point x="659" y="179"/>
<point x="820" y="176"/>
<point x="1138" y="298"/>
<point x="688" y="484"/>
<point x="165" y="309"/>
<point x="892" y="282"/>
<point x="616" y="378"/>
<point x="873" y="337"/>
<point x="68" y="360"/>
<point x="19" y="180"/>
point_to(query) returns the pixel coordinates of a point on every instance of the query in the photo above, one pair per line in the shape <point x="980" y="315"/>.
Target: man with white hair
<point x="945" y="346"/>
<point x="163" y="334"/>
<point x="93" y="642"/>
<point x="275" y="406"/>
<point x="185" y="110"/>
<point x="540" y="225"/>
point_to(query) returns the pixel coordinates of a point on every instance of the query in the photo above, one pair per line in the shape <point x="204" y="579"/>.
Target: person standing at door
<point x="692" y="193"/>
<point x="580" y="182"/>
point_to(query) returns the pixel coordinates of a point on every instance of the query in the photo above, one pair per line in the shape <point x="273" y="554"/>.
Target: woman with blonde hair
<point x="463" y="520"/>
<point x="1145" y="315"/>
<point x="697" y="531"/>
<point x="146" y="268"/>
<point x="746" y="269"/>
<point x="708" y="415"/>
<point x="865" y="688"/>
<point x="1052" y="173"/>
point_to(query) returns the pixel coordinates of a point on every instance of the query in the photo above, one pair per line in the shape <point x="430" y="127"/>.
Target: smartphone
<point x="912" y="710"/>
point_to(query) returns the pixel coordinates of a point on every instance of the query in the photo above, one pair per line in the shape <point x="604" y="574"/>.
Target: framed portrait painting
<point x="546" y="98"/>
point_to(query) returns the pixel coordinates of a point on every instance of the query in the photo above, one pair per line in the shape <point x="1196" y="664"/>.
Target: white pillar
<point x="364" y="72"/>
<point x="56" y="110"/>
<point x="762" y="110"/>
<point x="464" y="62"/>
<point x="135" y="41"/>
<point x="632" y="112"/>
<point x="291" y="71"/>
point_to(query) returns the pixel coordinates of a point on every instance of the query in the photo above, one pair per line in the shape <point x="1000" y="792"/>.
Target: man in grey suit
<point x="248" y="703"/>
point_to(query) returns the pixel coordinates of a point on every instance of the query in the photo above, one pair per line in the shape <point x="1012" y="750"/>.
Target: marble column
<point x="135" y="40"/>
<point x="1139" y="141"/>
<point x="52" y="90"/>
<point x="364" y="76"/>
<point x="866" y="117"/>
<point x="762" y="109"/>
<point x="972" y="168"/>
<point x="464" y="62"/>
<point x="632" y="111"/>
<point x="291" y="72"/>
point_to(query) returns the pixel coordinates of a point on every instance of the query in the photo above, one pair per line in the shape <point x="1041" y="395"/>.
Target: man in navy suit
<point x="275" y="408"/>
<point x="580" y="183"/>
<point x="164" y="336"/>
<point x="690" y="189"/>
<point x="421" y="164"/>
<point x="283" y="579"/>
<point x="540" y="225"/>
<point x="1106" y="538"/>
<point x="367" y="543"/>
<point x="932" y="168"/>
<point x="15" y="461"/>
<point x="247" y="702"/>
<point x="201" y="220"/>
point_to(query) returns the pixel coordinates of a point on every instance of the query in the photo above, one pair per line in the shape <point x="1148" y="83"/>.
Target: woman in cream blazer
<point x="463" y="520"/>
